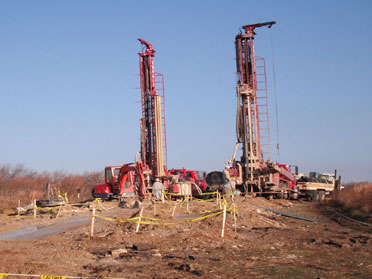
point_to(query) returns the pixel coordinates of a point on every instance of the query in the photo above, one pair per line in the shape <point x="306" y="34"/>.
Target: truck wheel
<point x="312" y="195"/>
<point x="294" y="196"/>
<point x="321" y="195"/>
<point x="316" y="196"/>
<point x="280" y="195"/>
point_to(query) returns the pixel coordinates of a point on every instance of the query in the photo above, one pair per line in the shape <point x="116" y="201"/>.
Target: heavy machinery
<point x="316" y="186"/>
<point x="122" y="181"/>
<point x="252" y="173"/>
<point x="197" y="178"/>
<point x="153" y="135"/>
<point x="134" y="179"/>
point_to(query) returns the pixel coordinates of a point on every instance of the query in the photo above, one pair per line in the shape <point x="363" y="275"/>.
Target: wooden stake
<point x="34" y="208"/>
<point x="174" y="209"/>
<point x="93" y="219"/>
<point x="234" y="217"/>
<point x="19" y="207"/>
<point x="139" y="220"/>
<point x="101" y="204"/>
<point x="162" y="196"/>
<point x="217" y="197"/>
<point x="187" y="203"/>
<point x="223" y="221"/>
<point x="59" y="211"/>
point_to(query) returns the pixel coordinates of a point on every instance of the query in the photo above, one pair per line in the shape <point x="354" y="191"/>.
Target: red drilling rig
<point x="153" y="135"/>
<point x="134" y="179"/>
<point x="252" y="173"/>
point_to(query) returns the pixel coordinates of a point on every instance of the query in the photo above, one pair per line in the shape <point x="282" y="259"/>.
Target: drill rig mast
<point x="133" y="179"/>
<point x="152" y="145"/>
<point x="254" y="173"/>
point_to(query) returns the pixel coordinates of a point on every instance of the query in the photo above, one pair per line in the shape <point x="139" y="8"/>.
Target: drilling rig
<point x="153" y="136"/>
<point x="252" y="173"/>
<point x="133" y="179"/>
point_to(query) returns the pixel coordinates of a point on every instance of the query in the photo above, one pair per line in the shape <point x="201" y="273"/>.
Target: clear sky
<point x="68" y="81"/>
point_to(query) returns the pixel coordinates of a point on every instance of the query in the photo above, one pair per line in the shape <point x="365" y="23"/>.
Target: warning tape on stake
<point x="158" y="221"/>
<point x="205" y="200"/>
<point x="49" y="208"/>
<point x="199" y="194"/>
<point x="2" y="275"/>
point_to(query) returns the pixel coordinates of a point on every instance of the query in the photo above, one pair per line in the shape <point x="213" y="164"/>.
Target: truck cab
<point x="106" y="190"/>
<point x="120" y="181"/>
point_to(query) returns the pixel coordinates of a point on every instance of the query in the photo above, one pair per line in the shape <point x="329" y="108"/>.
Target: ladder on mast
<point x="263" y="107"/>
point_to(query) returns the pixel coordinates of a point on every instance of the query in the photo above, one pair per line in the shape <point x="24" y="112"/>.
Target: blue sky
<point x="68" y="81"/>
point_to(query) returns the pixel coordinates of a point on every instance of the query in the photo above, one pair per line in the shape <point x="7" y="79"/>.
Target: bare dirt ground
<point x="265" y="245"/>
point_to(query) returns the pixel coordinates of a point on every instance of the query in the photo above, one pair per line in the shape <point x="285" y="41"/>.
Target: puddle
<point x="40" y="231"/>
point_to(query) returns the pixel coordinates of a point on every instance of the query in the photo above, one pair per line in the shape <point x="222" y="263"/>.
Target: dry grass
<point x="355" y="200"/>
<point x="21" y="183"/>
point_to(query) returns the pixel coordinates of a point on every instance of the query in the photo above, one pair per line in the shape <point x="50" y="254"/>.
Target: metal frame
<point x="153" y="135"/>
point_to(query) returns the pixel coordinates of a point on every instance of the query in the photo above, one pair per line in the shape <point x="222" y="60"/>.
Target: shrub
<point x="355" y="200"/>
<point x="20" y="183"/>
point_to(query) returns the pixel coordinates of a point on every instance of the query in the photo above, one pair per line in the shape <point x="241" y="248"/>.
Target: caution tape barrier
<point x="205" y="200"/>
<point x="49" y="207"/>
<point x="164" y="221"/>
<point x="199" y="194"/>
<point x="2" y="275"/>
<point x="167" y="194"/>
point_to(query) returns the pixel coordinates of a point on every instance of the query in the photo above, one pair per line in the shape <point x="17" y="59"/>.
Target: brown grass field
<point x="23" y="184"/>
<point x="257" y="244"/>
<point x="355" y="200"/>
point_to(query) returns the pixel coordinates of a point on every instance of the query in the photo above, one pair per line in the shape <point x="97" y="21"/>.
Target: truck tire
<point x="312" y="195"/>
<point x="294" y="196"/>
<point x="316" y="196"/>
<point x="321" y="195"/>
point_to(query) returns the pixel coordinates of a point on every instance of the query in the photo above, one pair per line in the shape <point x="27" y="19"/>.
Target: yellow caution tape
<point x="66" y="198"/>
<point x="199" y="194"/>
<point x="163" y="222"/>
<point x="134" y="219"/>
<point x="50" y="208"/>
<point x="150" y="218"/>
<point x="208" y="193"/>
<point x="116" y="219"/>
<point x="156" y="223"/>
<point x="52" y="277"/>
<point x="205" y="200"/>
<point x="206" y="216"/>
<point x="97" y="200"/>
<point x="224" y="202"/>
<point x="174" y="202"/>
<point x="173" y="194"/>
<point x="236" y="211"/>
